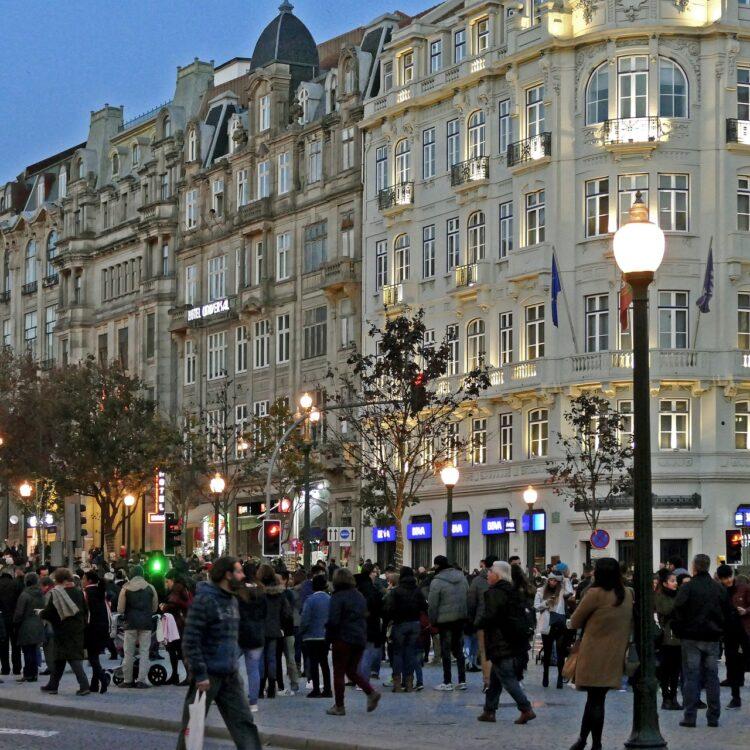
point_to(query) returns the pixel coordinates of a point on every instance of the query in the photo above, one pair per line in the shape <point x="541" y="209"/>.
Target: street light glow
<point x="314" y="416"/>
<point x="32" y="522"/>
<point x="129" y="500"/>
<point x="530" y="496"/>
<point x="638" y="244"/>
<point x="306" y="401"/>
<point x="25" y="490"/>
<point x="217" y="484"/>
<point x="49" y="519"/>
<point x="449" y="476"/>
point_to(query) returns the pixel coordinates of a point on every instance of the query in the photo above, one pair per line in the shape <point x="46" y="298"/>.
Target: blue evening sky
<point x="60" y="60"/>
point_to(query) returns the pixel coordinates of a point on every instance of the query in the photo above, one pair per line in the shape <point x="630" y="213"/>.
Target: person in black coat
<point x="9" y="593"/>
<point x="96" y="632"/>
<point x="252" y="635"/>
<point x="373" y="653"/>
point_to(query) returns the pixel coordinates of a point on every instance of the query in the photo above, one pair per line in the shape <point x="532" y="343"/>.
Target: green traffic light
<point x="156" y="565"/>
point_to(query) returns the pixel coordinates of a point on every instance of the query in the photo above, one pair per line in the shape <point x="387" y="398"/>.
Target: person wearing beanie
<point x="137" y="603"/>
<point x="550" y="606"/>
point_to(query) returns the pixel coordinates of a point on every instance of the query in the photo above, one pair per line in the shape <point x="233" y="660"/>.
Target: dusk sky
<point x="60" y="60"/>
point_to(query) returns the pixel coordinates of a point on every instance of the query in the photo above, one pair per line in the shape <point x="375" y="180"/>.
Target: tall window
<point x="29" y="332"/>
<point x="240" y="356"/>
<point x="262" y="344"/>
<point x="192" y="145"/>
<point x="742" y="425"/>
<point x="506" y="437"/>
<point x="459" y="45"/>
<point x="191" y="284"/>
<point x="346" y="323"/>
<point x="347" y="148"/>
<point x="315" y="161"/>
<point x="627" y="186"/>
<point x="387" y="75"/>
<point x="349" y="78"/>
<point x="428" y="251"/>
<point x="51" y="253"/>
<point x="506" y="228"/>
<point x="476" y="237"/>
<point x="482" y="31"/>
<point x="243" y="188"/>
<point x="381" y="264"/>
<point x="381" y="168"/>
<point x="258" y="263"/>
<point x="436" y="55"/>
<point x="453" y="244"/>
<point x="673" y="320"/>
<point x="743" y="322"/>
<point x="407" y="67"/>
<point x="538" y="433"/>
<point x="264" y="113"/>
<point x="7" y="333"/>
<point x="283" y="242"/>
<point x="743" y="93"/>
<point x="314" y="332"/>
<point x="479" y="441"/>
<point x="285" y="172"/>
<point x="29" y="263"/>
<point x="50" y="319"/>
<point x="475" y="344"/>
<point x="315" y="254"/>
<point x="217" y="278"/>
<point x="62" y="184"/>
<point x="453" y="142"/>
<point x="506" y="338"/>
<point x="165" y="258"/>
<point x="191" y="209"/>
<point x="505" y="125"/>
<point x="217" y="355"/>
<point x="597" y="95"/>
<point x="534" y="331"/>
<point x="534" y="111"/>
<point x="597" y="323"/>
<point x="428" y="153"/>
<point x="401" y="258"/>
<point x="535" y="217"/>
<point x="597" y="207"/>
<point x="451" y="335"/>
<point x="673" y="89"/>
<point x="282" y="338"/>
<point x="190" y="362"/>
<point x="673" y="202"/>
<point x="264" y="179"/>
<point x="743" y="204"/>
<point x="632" y="85"/>
<point x="403" y="161"/>
<point x="673" y="424"/>
<point x="625" y="434"/>
<point x="476" y="134"/>
<point x="217" y="197"/>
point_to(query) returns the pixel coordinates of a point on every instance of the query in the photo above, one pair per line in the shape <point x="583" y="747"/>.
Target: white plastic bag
<point x="197" y="724"/>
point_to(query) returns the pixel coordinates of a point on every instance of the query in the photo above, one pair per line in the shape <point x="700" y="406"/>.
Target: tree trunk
<point x="399" y="519"/>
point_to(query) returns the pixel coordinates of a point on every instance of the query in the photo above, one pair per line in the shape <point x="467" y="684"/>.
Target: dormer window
<point x="349" y="78"/>
<point x="81" y="169"/>
<point x="167" y="126"/>
<point x="407" y="67"/>
<point x="387" y="75"/>
<point x="192" y="145"/>
<point x="264" y="113"/>
<point x="304" y="101"/>
<point x="135" y="154"/>
<point x="40" y="191"/>
<point x="115" y="165"/>
<point x="62" y="183"/>
<point x="482" y="31"/>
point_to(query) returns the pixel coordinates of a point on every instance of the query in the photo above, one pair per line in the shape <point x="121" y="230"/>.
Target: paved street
<point x="427" y="720"/>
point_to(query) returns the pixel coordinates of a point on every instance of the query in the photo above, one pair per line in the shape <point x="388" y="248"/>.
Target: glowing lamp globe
<point x="217" y="484"/>
<point x="25" y="490"/>
<point x="314" y="416"/>
<point x="306" y="401"/>
<point x="449" y="476"/>
<point x="129" y="500"/>
<point x="530" y="495"/>
<point x="639" y="244"/>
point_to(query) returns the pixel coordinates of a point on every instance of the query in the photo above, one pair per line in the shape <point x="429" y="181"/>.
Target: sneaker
<point x="326" y="694"/>
<point x="49" y="690"/>
<point x="444" y="687"/>
<point x="387" y="683"/>
<point x="461" y="686"/>
<point x="372" y="701"/>
<point x="419" y="686"/>
<point x="83" y="692"/>
<point x="336" y="711"/>
<point x="254" y="708"/>
<point x="288" y="693"/>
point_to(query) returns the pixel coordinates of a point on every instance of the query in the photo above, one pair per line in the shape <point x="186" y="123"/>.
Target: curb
<point x="288" y="741"/>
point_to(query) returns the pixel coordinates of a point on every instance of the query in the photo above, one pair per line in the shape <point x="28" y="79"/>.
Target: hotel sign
<point x="207" y="310"/>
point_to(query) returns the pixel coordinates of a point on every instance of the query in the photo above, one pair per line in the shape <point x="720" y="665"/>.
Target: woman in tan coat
<point x="605" y="614"/>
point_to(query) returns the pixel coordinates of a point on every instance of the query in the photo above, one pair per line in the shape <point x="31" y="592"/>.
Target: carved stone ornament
<point x="587" y="8"/>
<point x="630" y="8"/>
<point x="681" y="5"/>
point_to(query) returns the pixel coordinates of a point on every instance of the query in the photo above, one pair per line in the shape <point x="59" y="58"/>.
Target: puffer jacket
<point x="278" y="611"/>
<point x="476" y="597"/>
<point x="28" y="624"/>
<point x="346" y="617"/>
<point x="253" y="613"/>
<point x="138" y="601"/>
<point x="405" y="602"/>
<point x="448" y="597"/>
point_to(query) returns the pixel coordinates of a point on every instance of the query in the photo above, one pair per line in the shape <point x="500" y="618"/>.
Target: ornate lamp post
<point x="449" y="476"/>
<point x="312" y="418"/>
<point x="129" y="501"/>
<point x="639" y="250"/>
<point x="530" y="496"/>
<point x="217" y="485"/>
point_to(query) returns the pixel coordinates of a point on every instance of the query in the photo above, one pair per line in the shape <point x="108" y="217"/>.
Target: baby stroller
<point x="157" y="674"/>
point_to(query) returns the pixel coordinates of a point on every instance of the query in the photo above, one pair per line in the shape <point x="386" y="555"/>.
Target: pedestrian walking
<point x="278" y="610"/>
<point x="367" y="585"/>
<point x="448" y="609"/>
<point x="506" y="636"/>
<point x="670" y="650"/>
<point x="29" y="627"/>
<point x="313" y="633"/>
<point x="138" y="602"/>
<point x="346" y="629"/>
<point x="252" y="630"/>
<point x="96" y="633"/>
<point x="736" y="632"/>
<point x="549" y="603"/>
<point x="177" y="604"/>
<point x="211" y="648"/>
<point x="605" y="614"/>
<point x="477" y="589"/>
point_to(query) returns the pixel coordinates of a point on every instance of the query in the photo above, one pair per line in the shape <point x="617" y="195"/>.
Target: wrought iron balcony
<point x="29" y="288"/>
<point x="467" y="275"/>
<point x="472" y="170"/>
<point x="50" y="280"/>
<point x="5" y="296"/>
<point x="625" y="502"/>
<point x="393" y="294"/>
<point x="529" y="149"/>
<point x="401" y="194"/>
<point x="738" y="131"/>
<point x="625" y="130"/>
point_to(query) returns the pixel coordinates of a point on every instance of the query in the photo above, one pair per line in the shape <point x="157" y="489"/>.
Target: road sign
<point x="341" y="534"/>
<point x="600" y="539"/>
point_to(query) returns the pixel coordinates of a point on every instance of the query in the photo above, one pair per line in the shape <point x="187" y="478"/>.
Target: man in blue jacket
<point x="211" y="649"/>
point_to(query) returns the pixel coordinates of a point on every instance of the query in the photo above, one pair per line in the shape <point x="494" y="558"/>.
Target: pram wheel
<point x="157" y="675"/>
<point x="117" y="676"/>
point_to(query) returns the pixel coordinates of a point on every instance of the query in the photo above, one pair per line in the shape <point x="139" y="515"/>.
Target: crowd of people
<point x="330" y="627"/>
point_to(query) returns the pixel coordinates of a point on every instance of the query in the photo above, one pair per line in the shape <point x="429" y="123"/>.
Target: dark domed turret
<point x="286" y="40"/>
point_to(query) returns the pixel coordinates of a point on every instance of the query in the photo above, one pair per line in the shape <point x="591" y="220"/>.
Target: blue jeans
<point x="700" y="666"/>
<point x="371" y="658"/>
<point x="252" y="666"/>
<point x="471" y="649"/>
<point x="503" y="675"/>
<point x="404" y="635"/>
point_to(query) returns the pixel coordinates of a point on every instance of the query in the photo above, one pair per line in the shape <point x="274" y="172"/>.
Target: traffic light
<point x="172" y="534"/>
<point x="271" y="538"/>
<point x="285" y="505"/>
<point x="734" y="546"/>
<point x="418" y="395"/>
<point x="157" y="564"/>
<point x="82" y="519"/>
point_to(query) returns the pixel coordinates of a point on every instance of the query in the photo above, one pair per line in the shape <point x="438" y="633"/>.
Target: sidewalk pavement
<point x="428" y="720"/>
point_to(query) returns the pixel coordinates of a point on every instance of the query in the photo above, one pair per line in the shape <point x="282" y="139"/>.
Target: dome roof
<point x="287" y="40"/>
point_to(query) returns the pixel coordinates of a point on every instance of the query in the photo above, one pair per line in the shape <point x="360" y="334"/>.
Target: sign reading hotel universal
<point x="207" y="310"/>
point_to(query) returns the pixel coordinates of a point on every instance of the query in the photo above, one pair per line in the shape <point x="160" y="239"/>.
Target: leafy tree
<point x="596" y="461"/>
<point x="394" y="444"/>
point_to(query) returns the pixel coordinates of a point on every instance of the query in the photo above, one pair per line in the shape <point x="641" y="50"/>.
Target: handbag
<point x="569" y="667"/>
<point x="196" y="727"/>
<point x="557" y="620"/>
<point x="632" y="661"/>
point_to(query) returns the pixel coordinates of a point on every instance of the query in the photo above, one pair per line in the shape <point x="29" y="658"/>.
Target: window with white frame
<point x="673" y="424"/>
<point x="429" y="164"/>
<point x="190" y="362"/>
<point x="428" y="251"/>
<point x="29" y="263"/>
<point x="314" y="160"/>
<point x="674" y="202"/>
<point x="262" y="343"/>
<point x="51" y="253"/>
<point x="347" y="239"/>
<point x="241" y="415"/>
<point x="535" y="227"/>
<point x="538" y="433"/>
<point x="451" y="441"/>
<point x="217" y="355"/>
<point x="428" y="343"/>
<point x="482" y="35"/>
<point x="283" y="248"/>
<point x="451" y="335"/>
<point x="535" y="114"/>
<point x="264" y="112"/>
<point x="597" y="323"/>
<point x="597" y="207"/>
<point x="475" y="344"/>
<point x="403" y="161"/>
<point x="506" y="436"/>
<point x="62" y="183"/>
<point x="258" y="262"/>
<point x="135" y="154"/>
<point x="191" y="284"/>
<point x="282" y="338"/>
<point x="597" y="95"/>
<point x="534" y="331"/>
<point x="506" y="338"/>
<point x="743" y="93"/>
<point x="436" y="55"/>
<point x="742" y="425"/>
<point x="381" y="264"/>
<point x="29" y="332"/>
<point x="479" y="441"/>
<point x="243" y="188"/>
<point x="632" y="86"/>
<point x="459" y="45"/>
<point x="627" y="187"/>
<point x="217" y="197"/>
<point x="401" y="258"/>
<point x="625" y="432"/>
<point x="264" y="179"/>
<point x="7" y="333"/>
<point x="381" y="168"/>
<point x="453" y="244"/>
<point x="743" y="322"/>
<point x="673" y="320"/>
<point x="506" y="228"/>
<point x="453" y="142"/>
<point x="743" y="204"/>
<point x="191" y="209"/>
<point x="347" y="148"/>
<point x="240" y="355"/>
<point x="349" y="77"/>
<point x="387" y="75"/>
<point x="505" y="125"/>
<point x="284" y="172"/>
<point x="346" y="323"/>
<point x="476" y="237"/>
<point x="165" y="188"/>
<point x="192" y="145"/>
<point x="477" y="134"/>
<point x="673" y="89"/>
<point x="165" y="258"/>
<point x="315" y="246"/>
<point x="314" y="332"/>
<point x="50" y="319"/>
<point x="407" y="67"/>
<point x="217" y="278"/>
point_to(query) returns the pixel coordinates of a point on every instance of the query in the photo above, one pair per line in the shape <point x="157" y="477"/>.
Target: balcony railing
<point x="632" y="130"/>
<point x="50" y="280"/>
<point x="529" y="149"/>
<point x="398" y="195"/>
<point x="738" y="131"/>
<point x="29" y="288"/>
<point x="472" y="170"/>
<point x="625" y="502"/>
<point x="393" y="294"/>
<point x="5" y="296"/>
<point x="467" y="275"/>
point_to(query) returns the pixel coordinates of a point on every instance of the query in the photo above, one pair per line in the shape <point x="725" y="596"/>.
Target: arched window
<point x="29" y="265"/>
<point x="475" y="344"/>
<point x="403" y="161"/>
<point x="304" y="101"/>
<point x="476" y="134"/>
<point x="401" y="259"/>
<point x="167" y="126"/>
<point x="115" y="165"/>
<point x="51" y="252"/>
<point x="192" y="145"/>
<point x="476" y="237"/>
<point x="349" y="78"/>
<point x="673" y="89"/>
<point x="597" y="96"/>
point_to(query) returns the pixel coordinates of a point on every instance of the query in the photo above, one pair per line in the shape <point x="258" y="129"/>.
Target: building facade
<point x="502" y="135"/>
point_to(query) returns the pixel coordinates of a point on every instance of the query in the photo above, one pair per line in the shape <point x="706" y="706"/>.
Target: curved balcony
<point x="394" y="199"/>
<point x="529" y="151"/>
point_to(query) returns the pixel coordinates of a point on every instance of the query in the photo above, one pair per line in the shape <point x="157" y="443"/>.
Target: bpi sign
<point x="206" y="311"/>
<point x="344" y="534"/>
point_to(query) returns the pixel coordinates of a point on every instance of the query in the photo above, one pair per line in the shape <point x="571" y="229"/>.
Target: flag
<point x="626" y="299"/>
<point x="556" y="289"/>
<point x="708" y="283"/>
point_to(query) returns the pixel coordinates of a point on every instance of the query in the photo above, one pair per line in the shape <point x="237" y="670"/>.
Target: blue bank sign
<point x="383" y="534"/>
<point x="458" y="528"/>
<point x="416" y="531"/>
<point x="498" y="525"/>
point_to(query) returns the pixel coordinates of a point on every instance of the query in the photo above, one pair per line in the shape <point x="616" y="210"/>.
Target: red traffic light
<point x="420" y="379"/>
<point x="272" y="530"/>
<point x="285" y="505"/>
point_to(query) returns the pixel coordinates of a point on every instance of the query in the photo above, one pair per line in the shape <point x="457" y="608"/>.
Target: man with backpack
<point x="506" y="639"/>
<point x="138" y="603"/>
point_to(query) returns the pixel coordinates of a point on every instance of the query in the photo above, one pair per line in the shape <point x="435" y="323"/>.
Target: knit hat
<point x="441" y="562"/>
<point x="556" y="576"/>
<point x="136" y="570"/>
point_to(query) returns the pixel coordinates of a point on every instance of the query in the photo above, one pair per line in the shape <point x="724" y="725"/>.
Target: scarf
<point x="64" y="605"/>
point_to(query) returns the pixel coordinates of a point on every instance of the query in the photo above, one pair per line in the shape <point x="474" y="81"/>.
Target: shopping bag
<point x="197" y="723"/>
<point x="569" y="667"/>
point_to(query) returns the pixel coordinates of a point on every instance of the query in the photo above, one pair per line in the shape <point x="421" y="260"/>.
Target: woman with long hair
<point x="278" y="610"/>
<point x="670" y="650"/>
<point x="605" y="615"/>
<point x="96" y="633"/>
<point x="550" y="606"/>
<point x="177" y="604"/>
<point x="252" y="635"/>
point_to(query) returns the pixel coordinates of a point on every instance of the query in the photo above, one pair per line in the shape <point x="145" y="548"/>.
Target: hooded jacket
<point x="278" y="613"/>
<point x="346" y="617"/>
<point x="476" y="597"/>
<point x="405" y="602"/>
<point x="448" y="597"/>
<point x="138" y="602"/>
<point x="210" y="640"/>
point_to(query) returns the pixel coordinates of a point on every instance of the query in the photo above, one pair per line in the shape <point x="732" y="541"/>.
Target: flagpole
<point x="698" y="317"/>
<point x="567" y="307"/>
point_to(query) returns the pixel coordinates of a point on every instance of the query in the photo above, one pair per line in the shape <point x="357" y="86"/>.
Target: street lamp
<point x="312" y="418"/>
<point x="639" y="250"/>
<point x="217" y="485"/>
<point x="530" y="496"/>
<point x="129" y="501"/>
<point x="25" y="490"/>
<point x="449" y="476"/>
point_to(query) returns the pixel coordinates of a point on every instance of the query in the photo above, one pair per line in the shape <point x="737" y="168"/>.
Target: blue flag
<point x="708" y="284"/>
<point x="556" y="289"/>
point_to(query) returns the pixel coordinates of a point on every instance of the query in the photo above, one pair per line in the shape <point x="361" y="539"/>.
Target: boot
<point x="396" y="684"/>
<point x="94" y="685"/>
<point x="409" y="686"/>
<point x="486" y="715"/>
<point x="174" y="679"/>
<point x="579" y="744"/>
<point x="559" y="681"/>
<point x="525" y="717"/>
<point x="545" y="677"/>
